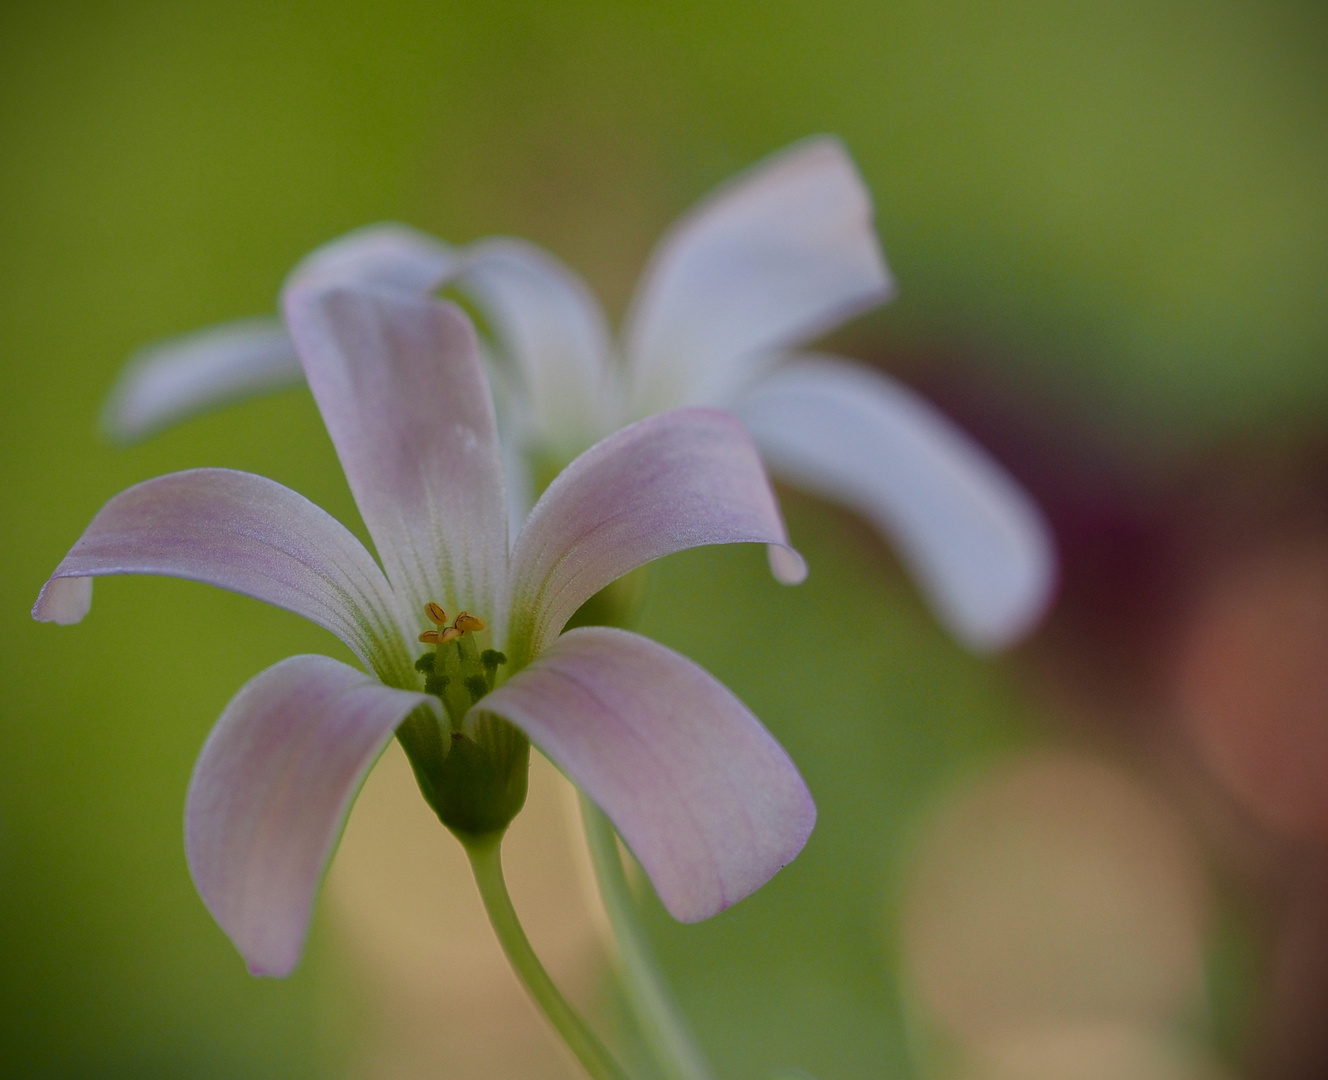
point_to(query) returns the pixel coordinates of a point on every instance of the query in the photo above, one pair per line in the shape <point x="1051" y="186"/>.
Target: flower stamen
<point x="462" y="675"/>
<point x="461" y="624"/>
<point x="466" y="621"/>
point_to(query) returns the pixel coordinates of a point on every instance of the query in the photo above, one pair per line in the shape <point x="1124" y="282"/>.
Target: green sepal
<point x="481" y="785"/>
<point x="427" y="746"/>
<point x="474" y="780"/>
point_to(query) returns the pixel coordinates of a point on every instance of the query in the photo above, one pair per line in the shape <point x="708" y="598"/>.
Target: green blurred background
<point x="1121" y="210"/>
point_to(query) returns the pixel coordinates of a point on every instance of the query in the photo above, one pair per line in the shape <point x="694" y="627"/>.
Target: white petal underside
<point x="979" y="547"/>
<point x="178" y="378"/>
<point x="551" y="327"/>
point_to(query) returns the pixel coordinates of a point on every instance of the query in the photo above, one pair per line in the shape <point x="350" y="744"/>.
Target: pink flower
<point x="772" y="260"/>
<point x="707" y="800"/>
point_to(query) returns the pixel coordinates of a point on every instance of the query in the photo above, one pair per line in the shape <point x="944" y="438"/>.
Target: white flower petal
<point x="980" y="548"/>
<point x="707" y="800"/>
<point x="775" y="257"/>
<point x="175" y="379"/>
<point x="551" y="326"/>
<point x="390" y="255"/>
<point x="400" y="385"/>
<point x="271" y="790"/>
<point x="239" y="532"/>
<point x="674" y="481"/>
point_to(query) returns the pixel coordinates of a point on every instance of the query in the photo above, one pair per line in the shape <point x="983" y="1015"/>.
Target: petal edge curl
<point x="673" y="481"/>
<point x="240" y="532"/>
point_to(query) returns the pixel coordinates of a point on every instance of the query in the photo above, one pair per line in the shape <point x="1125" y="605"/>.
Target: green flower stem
<point x="675" y="1052"/>
<point x="487" y="864"/>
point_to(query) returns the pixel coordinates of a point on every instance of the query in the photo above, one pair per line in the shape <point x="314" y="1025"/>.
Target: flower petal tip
<point x="786" y="564"/>
<point x="271" y="968"/>
<point x="796" y="828"/>
<point x="63" y="600"/>
<point x="183" y="376"/>
<point x="1029" y="595"/>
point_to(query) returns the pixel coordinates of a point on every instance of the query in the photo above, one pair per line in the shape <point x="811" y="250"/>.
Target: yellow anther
<point x="444" y="634"/>
<point x="466" y="621"/>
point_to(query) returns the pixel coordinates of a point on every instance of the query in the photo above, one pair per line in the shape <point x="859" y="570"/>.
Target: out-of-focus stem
<point x="672" y="1047"/>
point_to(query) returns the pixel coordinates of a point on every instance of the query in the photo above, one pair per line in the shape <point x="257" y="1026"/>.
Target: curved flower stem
<point x="663" y="1029"/>
<point x="486" y="862"/>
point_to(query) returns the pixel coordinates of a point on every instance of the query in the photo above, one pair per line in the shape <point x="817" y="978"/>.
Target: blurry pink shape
<point x="1053" y="890"/>
<point x="1252" y="684"/>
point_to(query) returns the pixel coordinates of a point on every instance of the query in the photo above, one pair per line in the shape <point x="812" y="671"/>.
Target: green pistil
<point x="459" y="675"/>
<point x="472" y="774"/>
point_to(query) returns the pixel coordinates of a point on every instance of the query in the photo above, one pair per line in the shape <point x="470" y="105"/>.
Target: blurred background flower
<point x="1109" y="226"/>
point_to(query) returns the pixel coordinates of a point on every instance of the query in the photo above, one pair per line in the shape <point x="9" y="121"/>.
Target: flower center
<point x="457" y="671"/>
<point x="474" y="777"/>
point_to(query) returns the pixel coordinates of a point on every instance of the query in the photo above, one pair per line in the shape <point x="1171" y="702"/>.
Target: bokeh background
<point x="1101" y="855"/>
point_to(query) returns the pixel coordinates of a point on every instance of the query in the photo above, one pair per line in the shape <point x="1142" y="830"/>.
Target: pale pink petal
<point x="516" y="471"/>
<point x="980" y="548"/>
<point x="775" y="257"/>
<point x="551" y="327"/>
<point x="400" y="385"/>
<point x="707" y="800"/>
<point x="239" y="532"/>
<point x="391" y="255"/>
<point x="64" y="600"/>
<point x="677" y="480"/>
<point x="175" y="379"/>
<point x="271" y="790"/>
